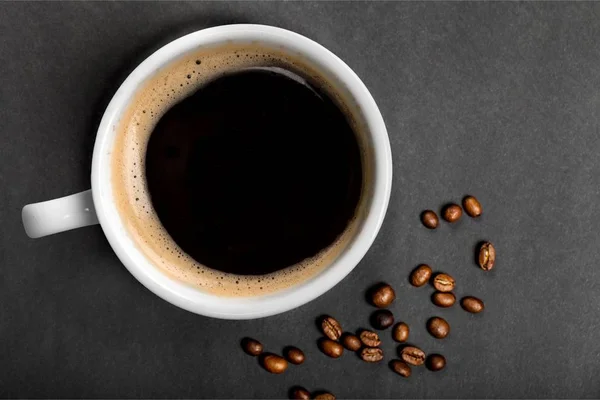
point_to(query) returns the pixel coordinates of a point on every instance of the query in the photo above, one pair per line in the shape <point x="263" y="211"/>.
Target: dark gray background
<point x="499" y="100"/>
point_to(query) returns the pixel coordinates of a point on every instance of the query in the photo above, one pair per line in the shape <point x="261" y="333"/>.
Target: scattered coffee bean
<point x="370" y="339"/>
<point x="452" y="213"/>
<point x="412" y="355"/>
<point x="274" y="363"/>
<point x="436" y="362"/>
<point x="442" y="299"/>
<point x="487" y="256"/>
<point x="420" y="276"/>
<point x="299" y="393"/>
<point x="430" y="219"/>
<point x="351" y="342"/>
<point x="472" y="304"/>
<point x="371" y="354"/>
<point x="252" y="346"/>
<point x="324" y="396"/>
<point x="472" y="206"/>
<point x="438" y="327"/>
<point x="294" y="355"/>
<point x="331" y="348"/>
<point x="382" y="319"/>
<point x="400" y="332"/>
<point x="331" y="328"/>
<point x="382" y="295"/>
<point x="444" y="283"/>
<point x="401" y="368"/>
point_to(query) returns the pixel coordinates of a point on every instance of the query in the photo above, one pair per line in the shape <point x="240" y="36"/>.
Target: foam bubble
<point x="169" y="86"/>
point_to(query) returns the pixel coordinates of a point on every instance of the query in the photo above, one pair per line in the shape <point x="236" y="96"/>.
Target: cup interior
<point x="377" y="170"/>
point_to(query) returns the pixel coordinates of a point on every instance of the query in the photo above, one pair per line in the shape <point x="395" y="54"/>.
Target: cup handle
<point x="59" y="215"/>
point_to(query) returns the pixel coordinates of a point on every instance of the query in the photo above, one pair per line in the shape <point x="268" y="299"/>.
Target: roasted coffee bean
<point x="324" y="396"/>
<point x="252" y="346"/>
<point x="412" y="355"/>
<point x="400" y="332"/>
<point x="401" y="368"/>
<point x="430" y="219"/>
<point x="351" y="342"/>
<point x="331" y="328"/>
<point x="472" y="304"/>
<point x="452" y="212"/>
<point x="382" y="319"/>
<point x="487" y="256"/>
<point x="371" y="354"/>
<point x="444" y="283"/>
<point x="436" y="362"/>
<point x="420" y="276"/>
<point x="294" y="355"/>
<point x="472" y="206"/>
<point x="438" y="327"/>
<point x="382" y="295"/>
<point x="331" y="348"/>
<point x="274" y="364"/>
<point x="299" y="393"/>
<point x="442" y="299"/>
<point x="370" y="339"/>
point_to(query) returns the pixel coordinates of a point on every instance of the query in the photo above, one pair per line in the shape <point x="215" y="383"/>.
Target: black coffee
<point x="255" y="172"/>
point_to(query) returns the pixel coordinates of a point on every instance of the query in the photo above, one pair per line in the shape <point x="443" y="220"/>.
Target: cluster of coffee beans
<point x="272" y="362"/>
<point x="410" y="355"/>
<point x="444" y="285"/>
<point x="277" y="365"/>
<point x="366" y="343"/>
<point x="437" y="327"/>
<point x="452" y="212"/>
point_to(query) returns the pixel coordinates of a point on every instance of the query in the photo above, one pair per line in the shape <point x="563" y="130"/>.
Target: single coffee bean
<point x="443" y="283"/>
<point x="294" y="355"/>
<point x="299" y="393"/>
<point x="351" y="342"/>
<point x="331" y="328"/>
<point x="382" y="319"/>
<point x="472" y="304"/>
<point x="412" y="355"/>
<point x="400" y="332"/>
<point x="382" y="295"/>
<point x="420" y="275"/>
<point x="370" y="339"/>
<point x="430" y="219"/>
<point x="438" y="327"/>
<point x="472" y="206"/>
<point x="331" y="348"/>
<point x="401" y="368"/>
<point x="436" y="362"/>
<point x="252" y="346"/>
<point x="452" y="213"/>
<point x="442" y="299"/>
<point x="371" y="354"/>
<point x="324" y="396"/>
<point x="487" y="256"/>
<point x="274" y="363"/>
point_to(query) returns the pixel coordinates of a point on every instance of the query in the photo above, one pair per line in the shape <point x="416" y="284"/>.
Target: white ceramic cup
<point x="97" y="205"/>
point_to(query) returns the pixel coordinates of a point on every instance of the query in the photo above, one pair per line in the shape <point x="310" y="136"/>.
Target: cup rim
<point x="193" y="299"/>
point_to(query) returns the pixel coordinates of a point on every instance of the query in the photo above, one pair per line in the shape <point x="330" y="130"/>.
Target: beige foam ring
<point x="169" y="86"/>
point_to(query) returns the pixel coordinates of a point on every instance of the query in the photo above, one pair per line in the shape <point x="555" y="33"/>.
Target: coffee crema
<point x="158" y="179"/>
